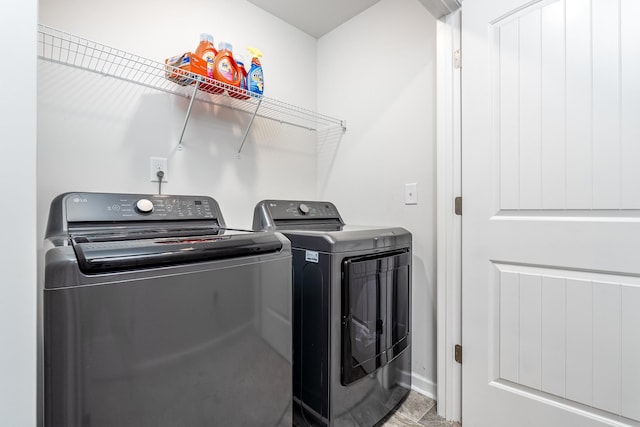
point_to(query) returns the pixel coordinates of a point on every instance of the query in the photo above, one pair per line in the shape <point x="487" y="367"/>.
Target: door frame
<point x="449" y="225"/>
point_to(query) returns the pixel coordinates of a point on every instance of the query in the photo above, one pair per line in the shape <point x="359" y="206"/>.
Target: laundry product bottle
<point x="243" y="86"/>
<point x="256" y="78"/>
<point x="207" y="51"/>
<point x="225" y="68"/>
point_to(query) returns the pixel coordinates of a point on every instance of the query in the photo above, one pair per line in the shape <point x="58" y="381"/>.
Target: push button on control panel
<point x="304" y="209"/>
<point x="144" y="206"/>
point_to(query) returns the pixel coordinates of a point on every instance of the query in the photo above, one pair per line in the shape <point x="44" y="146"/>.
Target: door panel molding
<point x="560" y="332"/>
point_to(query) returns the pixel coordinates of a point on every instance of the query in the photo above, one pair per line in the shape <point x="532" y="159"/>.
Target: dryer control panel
<point x="285" y="214"/>
<point x="296" y="209"/>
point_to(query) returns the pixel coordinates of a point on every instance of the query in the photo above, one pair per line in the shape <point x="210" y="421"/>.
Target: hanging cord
<point x="160" y="176"/>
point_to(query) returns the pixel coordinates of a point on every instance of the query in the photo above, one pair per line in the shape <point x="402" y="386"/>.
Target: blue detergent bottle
<point x="255" y="78"/>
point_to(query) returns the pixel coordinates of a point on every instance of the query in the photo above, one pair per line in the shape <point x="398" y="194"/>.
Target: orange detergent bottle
<point x="207" y="51"/>
<point x="225" y="68"/>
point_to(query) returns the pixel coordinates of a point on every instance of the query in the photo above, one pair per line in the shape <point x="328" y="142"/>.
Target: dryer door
<point x="375" y="312"/>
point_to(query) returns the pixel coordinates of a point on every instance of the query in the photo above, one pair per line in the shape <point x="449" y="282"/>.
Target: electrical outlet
<point x="158" y="164"/>
<point x="411" y="194"/>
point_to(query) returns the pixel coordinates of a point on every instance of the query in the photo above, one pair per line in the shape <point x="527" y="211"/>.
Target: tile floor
<point x="416" y="411"/>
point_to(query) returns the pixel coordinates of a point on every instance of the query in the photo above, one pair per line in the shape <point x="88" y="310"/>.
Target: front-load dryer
<point x="352" y="313"/>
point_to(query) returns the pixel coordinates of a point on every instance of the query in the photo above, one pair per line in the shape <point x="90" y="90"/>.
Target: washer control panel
<point x="98" y="207"/>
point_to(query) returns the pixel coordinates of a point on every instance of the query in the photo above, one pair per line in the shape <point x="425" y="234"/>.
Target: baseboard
<point x="424" y="386"/>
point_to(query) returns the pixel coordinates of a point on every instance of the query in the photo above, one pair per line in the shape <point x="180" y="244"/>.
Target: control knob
<point x="144" y="206"/>
<point x="304" y="209"/>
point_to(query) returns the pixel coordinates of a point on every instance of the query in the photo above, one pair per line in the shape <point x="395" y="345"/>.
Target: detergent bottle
<point x="207" y="51"/>
<point x="243" y="86"/>
<point x="225" y="68"/>
<point x="256" y="78"/>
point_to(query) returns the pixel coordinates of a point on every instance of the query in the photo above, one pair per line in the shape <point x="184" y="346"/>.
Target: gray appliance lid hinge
<point x="458" y="205"/>
<point x="457" y="59"/>
<point x="457" y="353"/>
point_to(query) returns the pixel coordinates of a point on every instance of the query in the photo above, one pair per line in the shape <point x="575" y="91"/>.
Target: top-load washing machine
<point x="351" y="321"/>
<point x="155" y="314"/>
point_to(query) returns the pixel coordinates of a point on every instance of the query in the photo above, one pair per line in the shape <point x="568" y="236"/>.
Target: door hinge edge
<point x="458" y="205"/>
<point x="457" y="353"/>
<point x="457" y="59"/>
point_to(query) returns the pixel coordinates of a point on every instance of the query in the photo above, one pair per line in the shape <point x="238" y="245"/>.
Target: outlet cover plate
<point x="411" y="194"/>
<point x="156" y="164"/>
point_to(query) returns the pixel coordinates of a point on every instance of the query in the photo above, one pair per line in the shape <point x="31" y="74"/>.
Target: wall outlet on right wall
<point x="411" y="194"/>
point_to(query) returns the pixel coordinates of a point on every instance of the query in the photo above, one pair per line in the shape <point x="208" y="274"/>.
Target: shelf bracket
<point x="186" y="119"/>
<point x="246" y="132"/>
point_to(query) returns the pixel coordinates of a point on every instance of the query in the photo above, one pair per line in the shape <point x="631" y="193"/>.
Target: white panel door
<point x="551" y="213"/>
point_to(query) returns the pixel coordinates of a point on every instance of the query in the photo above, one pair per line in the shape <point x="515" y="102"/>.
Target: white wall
<point x="18" y="189"/>
<point x="377" y="71"/>
<point x="97" y="133"/>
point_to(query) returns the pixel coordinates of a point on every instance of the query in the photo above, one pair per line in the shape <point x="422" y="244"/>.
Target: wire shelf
<point x="65" y="48"/>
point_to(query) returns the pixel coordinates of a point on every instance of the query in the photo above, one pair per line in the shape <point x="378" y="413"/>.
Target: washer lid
<point x="100" y="256"/>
